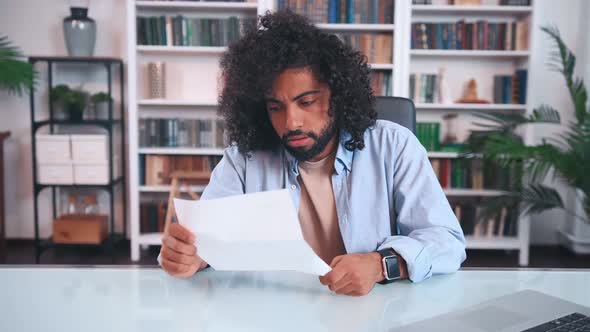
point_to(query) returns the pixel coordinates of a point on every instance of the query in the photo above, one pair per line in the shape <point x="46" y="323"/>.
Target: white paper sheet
<point x="252" y="232"/>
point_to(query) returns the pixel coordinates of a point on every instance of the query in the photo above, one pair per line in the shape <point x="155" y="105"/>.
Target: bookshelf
<point x="405" y="60"/>
<point x="505" y="108"/>
<point x="484" y="64"/>
<point x="470" y="53"/>
<point x="191" y="94"/>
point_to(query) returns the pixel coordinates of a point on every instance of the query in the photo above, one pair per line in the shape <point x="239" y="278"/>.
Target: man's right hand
<point x="178" y="256"/>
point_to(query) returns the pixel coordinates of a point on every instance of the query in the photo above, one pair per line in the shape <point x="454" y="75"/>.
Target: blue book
<point x="522" y="75"/>
<point x="333" y="6"/>
<point x="439" y="36"/>
<point x="375" y="12"/>
<point x="507" y="93"/>
<point x="350" y="11"/>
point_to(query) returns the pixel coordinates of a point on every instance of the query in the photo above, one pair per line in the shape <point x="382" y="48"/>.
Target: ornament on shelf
<point x="79" y="30"/>
<point x="470" y="94"/>
<point x="157" y="80"/>
<point x="444" y="93"/>
<point x="450" y="132"/>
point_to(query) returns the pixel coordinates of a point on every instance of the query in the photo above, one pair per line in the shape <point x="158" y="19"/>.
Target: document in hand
<point x="251" y="232"/>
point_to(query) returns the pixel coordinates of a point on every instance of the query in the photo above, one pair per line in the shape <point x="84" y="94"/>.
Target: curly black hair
<point x="281" y="41"/>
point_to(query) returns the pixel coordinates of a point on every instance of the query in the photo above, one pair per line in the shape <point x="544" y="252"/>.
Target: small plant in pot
<point x="75" y="105"/>
<point x="70" y="102"/>
<point x="58" y="96"/>
<point x="101" y="101"/>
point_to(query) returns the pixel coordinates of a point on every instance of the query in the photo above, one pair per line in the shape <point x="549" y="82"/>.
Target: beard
<point x="320" y="141"/>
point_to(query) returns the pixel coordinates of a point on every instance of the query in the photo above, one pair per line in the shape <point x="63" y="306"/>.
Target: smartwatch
<point x="390" y="266"/>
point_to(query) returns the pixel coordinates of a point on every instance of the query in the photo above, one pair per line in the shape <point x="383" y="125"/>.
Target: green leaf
<point x="16" y="76"/>
<point x="537" y="198"/>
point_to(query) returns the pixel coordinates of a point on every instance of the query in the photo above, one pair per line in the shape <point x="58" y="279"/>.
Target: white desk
<point x="145" y="299"/>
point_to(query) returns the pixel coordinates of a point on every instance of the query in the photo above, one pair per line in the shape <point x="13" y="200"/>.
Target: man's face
<point x="298" y="108"/>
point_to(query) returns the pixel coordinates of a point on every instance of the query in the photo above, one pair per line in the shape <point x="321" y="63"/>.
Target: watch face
<point x="392" y="268"/>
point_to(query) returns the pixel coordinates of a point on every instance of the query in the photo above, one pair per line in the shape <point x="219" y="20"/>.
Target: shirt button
<point x="293" y="187"/>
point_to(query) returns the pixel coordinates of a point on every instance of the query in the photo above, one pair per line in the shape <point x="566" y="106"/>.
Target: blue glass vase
<point x="79" y="32"/>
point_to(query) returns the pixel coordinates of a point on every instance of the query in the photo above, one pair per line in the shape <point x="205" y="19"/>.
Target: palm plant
<point x="16" y="76"/>
<point x="565" y="156"/>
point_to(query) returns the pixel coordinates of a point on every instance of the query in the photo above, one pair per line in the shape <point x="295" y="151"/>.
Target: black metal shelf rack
<point x="110" y="125"/>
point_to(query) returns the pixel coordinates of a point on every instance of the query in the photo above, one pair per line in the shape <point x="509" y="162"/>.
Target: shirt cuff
<point x="413" y="252"/>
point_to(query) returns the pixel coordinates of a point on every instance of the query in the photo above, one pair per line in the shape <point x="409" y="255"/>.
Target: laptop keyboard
<point x="574" y="322"/>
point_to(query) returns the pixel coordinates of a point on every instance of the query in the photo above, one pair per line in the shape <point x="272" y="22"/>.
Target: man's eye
<point x="273" y="108"/>
<point x="307" y="102"/>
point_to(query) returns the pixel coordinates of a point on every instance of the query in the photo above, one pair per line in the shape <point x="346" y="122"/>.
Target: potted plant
<point x="58" y="96"/>
<point x="566" y="157"/>
<point x="70" y="102"/>
<point x="101" y="102"/>
<point x="75" y="104"/>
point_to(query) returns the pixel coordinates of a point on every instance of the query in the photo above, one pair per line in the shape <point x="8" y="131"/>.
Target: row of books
<point x="428" y="133"/>
<point x="152" y="216"/>
<point x="378" y="47"/>
<point x="190" y="31"/>
<point x="343" y="11"/>
<point x="480" y="35"/>
<point x="155" y="170"/>
<point x="504" y="223"/>
<point x="472" y="2"/>
<point x="194" y="133"/>
<point x="424" y="88"/>
<point x="511" y="89"/>
<point x="473" y="173"/>
<point x="381" y="82"/>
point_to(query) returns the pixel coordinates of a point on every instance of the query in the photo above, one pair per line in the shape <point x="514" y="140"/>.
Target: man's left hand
<point x="354" y="274"/>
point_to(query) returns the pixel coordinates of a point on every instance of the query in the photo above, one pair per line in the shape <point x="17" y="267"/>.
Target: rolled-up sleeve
<point x="227" y="179"/>
<point x="430" y="238"/>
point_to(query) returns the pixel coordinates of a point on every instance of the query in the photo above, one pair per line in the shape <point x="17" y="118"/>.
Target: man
<point x="298" y="107"/>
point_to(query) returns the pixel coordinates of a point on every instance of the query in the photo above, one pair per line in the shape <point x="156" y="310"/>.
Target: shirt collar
<point x="343" y="156"/>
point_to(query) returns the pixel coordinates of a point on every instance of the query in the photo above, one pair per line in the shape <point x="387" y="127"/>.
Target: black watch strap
<point x="390" y="265"/>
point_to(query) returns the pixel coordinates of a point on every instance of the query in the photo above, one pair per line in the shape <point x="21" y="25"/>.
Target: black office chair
<point x="397" y="109"/>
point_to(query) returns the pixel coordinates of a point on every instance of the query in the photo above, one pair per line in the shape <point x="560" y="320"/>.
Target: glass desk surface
<point x="146" y="299"/>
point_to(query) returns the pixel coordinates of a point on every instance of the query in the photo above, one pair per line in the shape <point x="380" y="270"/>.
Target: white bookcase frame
<point x="403" y="57"/>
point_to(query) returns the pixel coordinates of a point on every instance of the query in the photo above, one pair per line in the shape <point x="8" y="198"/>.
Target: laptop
<point x="527" y="310"/>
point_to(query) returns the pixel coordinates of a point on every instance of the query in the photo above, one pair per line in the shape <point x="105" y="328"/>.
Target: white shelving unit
<point x="473" y="10"/>
<point x="404" y="60"/>
<point x="483" y="65"/>
<point x="470" y="53"/>
<point x="180" y="49"/>
<point x="199" y="100"/>
<point x="472" y="107"/>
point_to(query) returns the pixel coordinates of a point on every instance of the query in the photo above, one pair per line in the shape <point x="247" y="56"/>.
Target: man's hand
<point x="354" y="274"/>
<point x="178" y="255"/>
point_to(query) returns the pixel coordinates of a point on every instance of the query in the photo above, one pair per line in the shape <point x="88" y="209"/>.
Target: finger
<point x="336" y="260"/>
<point x="173" y="268"/>
<point x="349" y="289"/>
<point x="175" y="256"/>
<point x="334" y="276"/>
<point x="181" y="247"/>
<point x="345" y="281"/>
<point x="181" y="233"/>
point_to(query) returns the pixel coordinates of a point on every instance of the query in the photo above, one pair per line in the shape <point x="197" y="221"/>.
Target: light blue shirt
<point x="390" y="177"/>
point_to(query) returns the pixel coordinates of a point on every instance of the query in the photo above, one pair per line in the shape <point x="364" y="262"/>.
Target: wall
<point x="43" y="36"/>
<point x="36" y="27"/>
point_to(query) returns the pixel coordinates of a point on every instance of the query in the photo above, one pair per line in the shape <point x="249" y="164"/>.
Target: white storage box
<point x="53" y="149"/>
<point x="56" y="173"/>
<point x="90" y="148"/>
<point x="91" y="173"/>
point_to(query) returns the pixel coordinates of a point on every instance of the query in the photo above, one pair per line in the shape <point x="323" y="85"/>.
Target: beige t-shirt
<point x="317" y="209"/>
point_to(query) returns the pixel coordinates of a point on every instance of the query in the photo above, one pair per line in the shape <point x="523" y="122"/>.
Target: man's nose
<point x="294" y="118"/>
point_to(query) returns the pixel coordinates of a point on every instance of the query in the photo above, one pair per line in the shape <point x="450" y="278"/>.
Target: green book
<point x="205" y="32"/>
<point x="162" y="25"/>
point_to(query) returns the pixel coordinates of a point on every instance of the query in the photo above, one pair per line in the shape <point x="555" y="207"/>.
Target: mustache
<point x="298" y="132"/>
